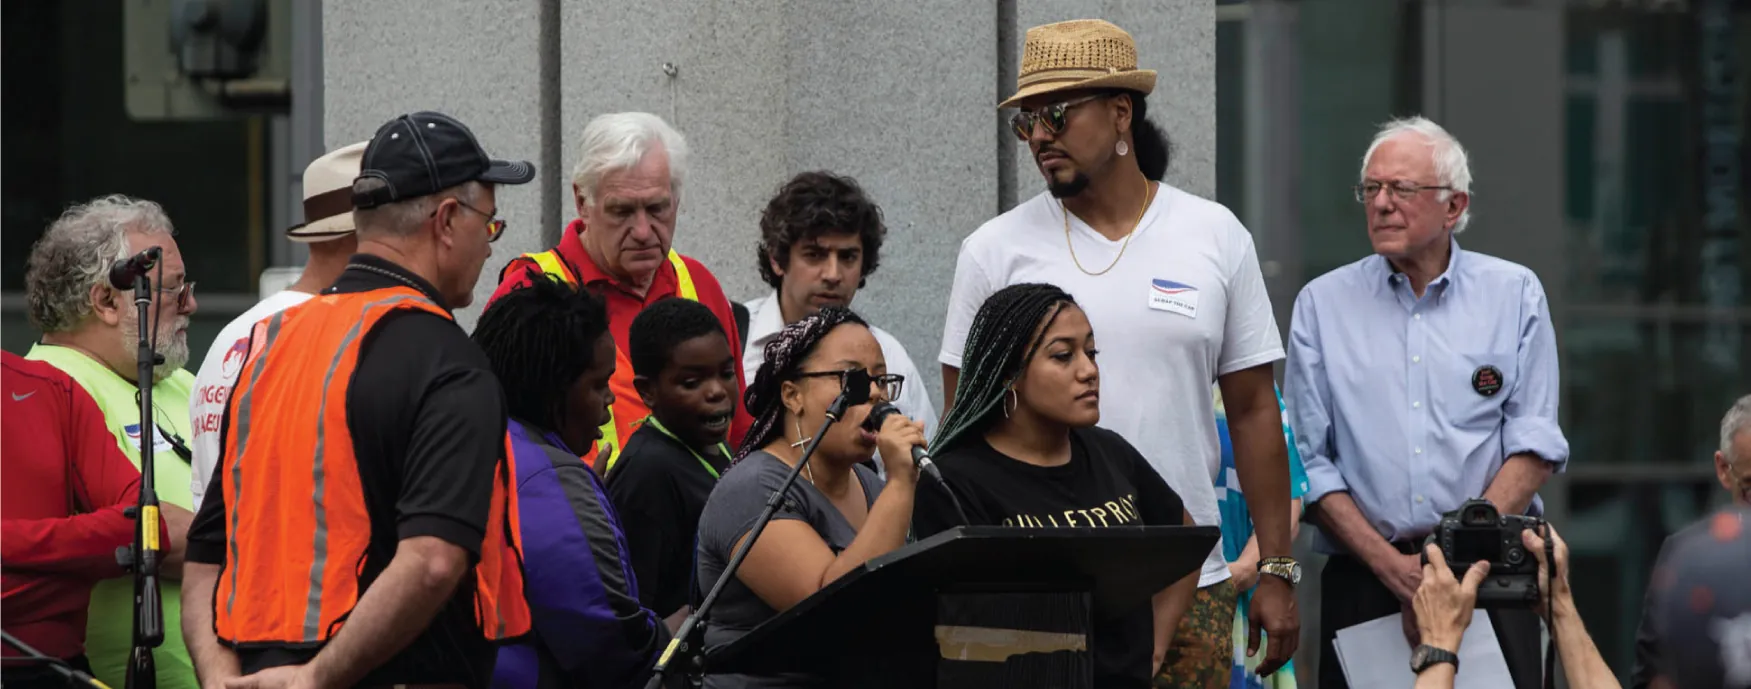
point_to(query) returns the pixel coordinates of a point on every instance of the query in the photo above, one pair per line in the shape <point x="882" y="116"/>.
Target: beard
<point x="1064" y="190"/>
<point x="171" y="342"/>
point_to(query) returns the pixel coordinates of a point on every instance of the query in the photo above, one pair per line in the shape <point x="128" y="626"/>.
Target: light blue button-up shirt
<point x="1412" y="405"/>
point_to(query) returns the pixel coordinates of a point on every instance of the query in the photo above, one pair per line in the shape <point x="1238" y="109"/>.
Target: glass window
<point x="69" y="138"/>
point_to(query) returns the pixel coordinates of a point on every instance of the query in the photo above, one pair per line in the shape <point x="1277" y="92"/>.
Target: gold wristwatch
<point x="1285" y="567"/>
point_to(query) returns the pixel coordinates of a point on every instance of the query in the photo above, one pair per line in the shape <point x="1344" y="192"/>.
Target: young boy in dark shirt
<point x="685" y="372"/>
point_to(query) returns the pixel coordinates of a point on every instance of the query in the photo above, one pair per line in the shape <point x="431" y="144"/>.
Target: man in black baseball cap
<point x="415" y="469"/>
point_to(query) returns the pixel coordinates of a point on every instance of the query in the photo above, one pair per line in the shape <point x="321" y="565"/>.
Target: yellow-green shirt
<point x="109" y="636"/>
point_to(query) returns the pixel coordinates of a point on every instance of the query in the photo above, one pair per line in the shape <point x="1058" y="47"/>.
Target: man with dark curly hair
<point x="820" y="240"/>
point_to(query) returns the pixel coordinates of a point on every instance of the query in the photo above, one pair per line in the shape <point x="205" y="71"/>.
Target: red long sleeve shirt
<point x="63" y="486"/>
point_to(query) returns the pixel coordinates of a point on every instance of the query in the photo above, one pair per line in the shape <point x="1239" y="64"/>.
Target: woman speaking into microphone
<point x="1020" y="448"/>
<point x="837" y="515"/>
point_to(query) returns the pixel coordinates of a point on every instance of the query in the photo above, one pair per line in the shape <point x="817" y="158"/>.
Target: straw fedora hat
<point x="328" y="196"/>
<point x="1079" y="54"/>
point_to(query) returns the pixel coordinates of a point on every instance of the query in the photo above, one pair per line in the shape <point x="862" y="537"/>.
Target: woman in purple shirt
<point x="550" y="348"/>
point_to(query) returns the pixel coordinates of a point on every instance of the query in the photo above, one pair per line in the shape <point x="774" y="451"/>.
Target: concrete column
<point x="1500" y="75"/>
<point x="901" y="96"/>
<point x="477" y="60"/>
<point x="897" y="95"/>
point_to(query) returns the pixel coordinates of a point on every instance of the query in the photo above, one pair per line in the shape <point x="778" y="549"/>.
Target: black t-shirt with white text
<point x="1106" y="483"/>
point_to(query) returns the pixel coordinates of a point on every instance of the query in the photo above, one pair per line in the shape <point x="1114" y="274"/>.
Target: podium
<point x="878" y="625"/>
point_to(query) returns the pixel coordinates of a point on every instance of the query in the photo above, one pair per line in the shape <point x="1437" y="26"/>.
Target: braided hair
<point x="539" y="339"/>
<point x="999" y="346"/>
<point x="784" y="355"/>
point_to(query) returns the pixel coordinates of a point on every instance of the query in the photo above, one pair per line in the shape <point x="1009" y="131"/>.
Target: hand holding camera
<point x="1559" y="581"/>
<point x="1477" y="532"/>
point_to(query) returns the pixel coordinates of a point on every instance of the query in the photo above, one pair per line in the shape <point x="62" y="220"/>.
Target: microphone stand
<point x="74" y="676"/>
<point x="144" y="556"/>
<point x="693" y="651"/>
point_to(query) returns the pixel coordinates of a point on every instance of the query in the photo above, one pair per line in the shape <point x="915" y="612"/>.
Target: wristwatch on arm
<point x="1285" y="568"/>
<point x="1426" y="656"/>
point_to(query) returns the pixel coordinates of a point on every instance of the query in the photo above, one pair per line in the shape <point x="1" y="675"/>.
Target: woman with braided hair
<point x="1020" y="448"/>
<point x="838" y="514"/>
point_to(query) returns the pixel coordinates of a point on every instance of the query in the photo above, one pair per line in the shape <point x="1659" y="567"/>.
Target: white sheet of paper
<point x="1374" y="654"/>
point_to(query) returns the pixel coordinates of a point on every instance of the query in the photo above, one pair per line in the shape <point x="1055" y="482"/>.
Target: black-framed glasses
<point x="1054" y="116"/>
<point x="891" y="383"/>
<point x="495" y="227"/>
<point x="1403" y="191"/>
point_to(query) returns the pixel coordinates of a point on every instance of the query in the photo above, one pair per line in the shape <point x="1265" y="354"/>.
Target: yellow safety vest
<point x="627" y="404"/>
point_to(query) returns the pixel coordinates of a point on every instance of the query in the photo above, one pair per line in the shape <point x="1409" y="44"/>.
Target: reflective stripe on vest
<point x="627" y="404"/>
<point x="291" y="486"/>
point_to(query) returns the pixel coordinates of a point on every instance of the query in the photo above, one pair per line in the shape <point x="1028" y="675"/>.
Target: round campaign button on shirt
<point x="1486" y="380"/>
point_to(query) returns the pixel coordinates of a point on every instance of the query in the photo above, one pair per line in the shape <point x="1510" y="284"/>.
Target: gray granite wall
<point x="900" y="95"/>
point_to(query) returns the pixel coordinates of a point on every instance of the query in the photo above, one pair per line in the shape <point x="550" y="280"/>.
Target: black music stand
<point x="892" y="602"/>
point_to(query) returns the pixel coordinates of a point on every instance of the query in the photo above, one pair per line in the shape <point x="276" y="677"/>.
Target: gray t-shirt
<point x="730" y="511"/>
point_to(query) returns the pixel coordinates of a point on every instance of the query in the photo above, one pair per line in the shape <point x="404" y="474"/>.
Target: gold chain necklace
<point x="1148" y="197"/>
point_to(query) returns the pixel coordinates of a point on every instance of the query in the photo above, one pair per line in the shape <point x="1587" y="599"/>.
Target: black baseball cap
<point x="427" y="152"/>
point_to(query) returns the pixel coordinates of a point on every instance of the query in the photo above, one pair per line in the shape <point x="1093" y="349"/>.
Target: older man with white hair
<point x="1418" y="378"/>
<point x="627" y="188"/>
<point x="91" y="331"/>
<point x="1733" y="469"/>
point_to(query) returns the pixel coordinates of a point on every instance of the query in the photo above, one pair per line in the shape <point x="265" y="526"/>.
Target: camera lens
<point x="1515" y="555"/>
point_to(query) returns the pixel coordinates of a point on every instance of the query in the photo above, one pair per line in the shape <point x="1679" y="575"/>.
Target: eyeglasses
<point x="891" y="383"/>
<point x="494" y="226"/>
<point x="1054" y="116"/>
<point x="185" y="293"/>
<point x="1403" y="191"/>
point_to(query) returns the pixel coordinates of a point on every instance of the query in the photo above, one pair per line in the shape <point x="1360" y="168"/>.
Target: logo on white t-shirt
<point x="232" y="364"/>
<point x="1173" y="297"/>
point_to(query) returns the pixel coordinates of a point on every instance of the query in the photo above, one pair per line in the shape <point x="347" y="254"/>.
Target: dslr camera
<point x="1476" y="532"/>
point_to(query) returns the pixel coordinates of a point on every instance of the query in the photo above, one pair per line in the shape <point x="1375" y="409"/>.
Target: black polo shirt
<point x="427" y="420"/>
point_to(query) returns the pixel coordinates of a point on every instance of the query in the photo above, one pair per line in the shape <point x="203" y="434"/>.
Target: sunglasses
<point x="494" y="226"/>
<point x="1054" y="116"/>
<point x="855" y="378"/>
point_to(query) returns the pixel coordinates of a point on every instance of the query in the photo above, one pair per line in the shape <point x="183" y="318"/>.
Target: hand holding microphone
<point x="900" y="440"/>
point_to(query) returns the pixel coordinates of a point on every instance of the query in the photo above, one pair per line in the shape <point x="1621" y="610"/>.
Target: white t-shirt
<point x="218" y="374"/>
<point x="765" y="319"/>
<point x="1185" y="304"/>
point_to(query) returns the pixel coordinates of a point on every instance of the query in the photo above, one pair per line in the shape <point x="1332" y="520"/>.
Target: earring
<point x="1121" y="148"/>
<point x="1014" y="402"/>
<point x="800" y="440"/>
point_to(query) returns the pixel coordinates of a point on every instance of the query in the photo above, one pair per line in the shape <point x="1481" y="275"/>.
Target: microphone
<point x="873" y="423"/>
<point x="123" y="273"/>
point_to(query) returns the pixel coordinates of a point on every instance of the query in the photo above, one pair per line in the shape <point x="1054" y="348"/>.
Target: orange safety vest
<point x="295" y="514"/>
<point x="628" y="408"/>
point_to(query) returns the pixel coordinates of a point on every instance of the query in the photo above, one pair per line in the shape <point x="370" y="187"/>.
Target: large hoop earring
<point x="1121" y="148"/>
<point x="1013" y="401"/>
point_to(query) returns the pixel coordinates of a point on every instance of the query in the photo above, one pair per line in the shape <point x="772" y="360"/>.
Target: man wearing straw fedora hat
<point x="328" y="230"/>
<point x="1171" y="284"/>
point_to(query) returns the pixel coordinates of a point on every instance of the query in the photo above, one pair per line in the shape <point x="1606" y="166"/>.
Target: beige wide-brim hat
<point x="1078" y="54"/>
<point x="328" y="196"/>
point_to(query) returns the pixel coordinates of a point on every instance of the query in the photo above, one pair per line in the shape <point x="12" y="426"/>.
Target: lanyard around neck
<point x="654" y="423"/>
